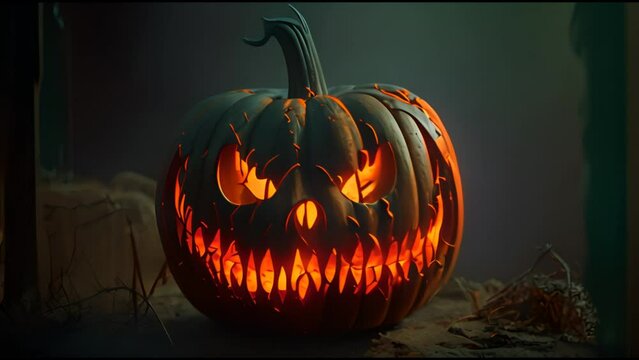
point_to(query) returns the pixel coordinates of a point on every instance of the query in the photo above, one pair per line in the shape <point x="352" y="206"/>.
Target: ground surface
<point x="427" y="332"/>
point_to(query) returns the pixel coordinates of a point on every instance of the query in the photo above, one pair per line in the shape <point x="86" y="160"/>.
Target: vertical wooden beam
<point x="600" y="39"/>
<point x="43" y="252"/>
<point x="4" y="113"/>
<point x="632" y="41"/>
<point x="3" y="147"/>
<point x="21" y="266"/>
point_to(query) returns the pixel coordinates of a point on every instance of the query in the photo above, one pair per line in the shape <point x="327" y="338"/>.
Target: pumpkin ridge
<point x="424" y="187"/>
<point x="221" y="132"/>
<point x="312" y="252"/>
<point x="271" y="121"/>
<point x="195" y="121"/>
<point x="200" y="187"/>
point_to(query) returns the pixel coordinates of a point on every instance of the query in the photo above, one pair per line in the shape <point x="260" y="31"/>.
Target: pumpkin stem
<point x="305" y="77"/>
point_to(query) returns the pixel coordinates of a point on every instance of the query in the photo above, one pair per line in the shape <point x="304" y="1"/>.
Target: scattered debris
<point x="543" y="304"/>
<point x="536" y="315"/>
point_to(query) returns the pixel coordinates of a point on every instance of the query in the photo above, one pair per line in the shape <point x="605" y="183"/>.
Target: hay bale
<point x="129" y="181"/>
<point x="87" y="244"/>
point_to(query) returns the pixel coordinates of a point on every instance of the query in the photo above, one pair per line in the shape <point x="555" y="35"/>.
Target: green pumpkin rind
<point x="329" y="135"/>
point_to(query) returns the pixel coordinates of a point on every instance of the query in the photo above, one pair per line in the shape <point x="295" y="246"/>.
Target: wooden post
<point x="54" y="108"/>
<point x="21" y="80"/>
<point x="599" y="32"/>
<point x="632" y="41"/>
<point x="4" y="104"/>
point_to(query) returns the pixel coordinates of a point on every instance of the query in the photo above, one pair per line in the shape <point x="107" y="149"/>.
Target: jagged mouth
<point x="259" y="276"/>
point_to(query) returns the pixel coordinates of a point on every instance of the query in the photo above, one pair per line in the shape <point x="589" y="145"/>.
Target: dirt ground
<point x="426" y="333"/>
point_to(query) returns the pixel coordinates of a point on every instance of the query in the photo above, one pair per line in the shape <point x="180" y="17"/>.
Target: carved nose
<point x="306" y="214"/>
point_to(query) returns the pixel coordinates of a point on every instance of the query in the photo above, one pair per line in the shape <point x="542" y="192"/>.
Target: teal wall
<point x="53" y="94"/>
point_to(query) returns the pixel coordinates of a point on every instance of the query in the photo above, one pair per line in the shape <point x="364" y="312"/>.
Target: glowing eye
<point x="239" y="184"/>
<point x="374" y="177"/>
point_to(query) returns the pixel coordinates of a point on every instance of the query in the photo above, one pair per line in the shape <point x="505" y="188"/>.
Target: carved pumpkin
<point x="317" y="210"/>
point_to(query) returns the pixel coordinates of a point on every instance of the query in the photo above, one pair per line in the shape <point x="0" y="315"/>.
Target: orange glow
<point x="216" y="252"/>
<point x="239" y="184"/>
<point x="373" y="131"/>
<point x="267" y="273"/>
<point x="237" y="136"/>
<point x="343" y="273"/>
<point x="298" y="270"/>
<point x="281" y="284"/>
<point x="199" y="241"/>
<point x="238" y="272"/>
<point x="391" y="259"/>
<point x="436" y="224"/>
<point x="189" y="219"/>
<point x="404" y="257"/>
<point x="251" y="276"/>
<point x="231" y="173"/>
<point x="331" y="266"/>
<point x="311" y="214"/>
<point x="418" y="250"/>
<point x="225" y="265"/>
<point x="353" y="220"/>
<point x="401" y="95"/>
<point x="374" y="266"/>
<point x="429" y="252"/>
<point x="189" y="234"/>
<point x="232" y="264"/>
<point x="365" y="270"/>
<point x="388" y="210"/>
<point x="306" y="214"/>
<point x="303" y="286"/>
<point x="373" y="178"/>
<point x="260" y="188"/>
<point x="300" y="212"/>
<point x="445" y="147"/>
<point x="314" y="270"/>
<point x="178" y="192"/>
<point x="310" y="92"/>
<point x="357" y="263"/>
<point x="350" y="188"/>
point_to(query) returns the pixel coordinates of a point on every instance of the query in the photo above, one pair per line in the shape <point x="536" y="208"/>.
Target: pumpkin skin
<point x="317" y="210"/>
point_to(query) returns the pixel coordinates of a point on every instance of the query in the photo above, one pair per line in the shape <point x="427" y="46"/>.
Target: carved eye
<point x="374" y="177"/>
<point x="240" y="184"/>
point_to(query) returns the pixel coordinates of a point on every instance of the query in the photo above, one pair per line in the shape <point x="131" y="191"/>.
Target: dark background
<point x="503" y="78"/>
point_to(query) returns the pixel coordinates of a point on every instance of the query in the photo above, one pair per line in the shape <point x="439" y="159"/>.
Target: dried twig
<point x="521" y="277"/>
<point x="137" y="275"/>
<point x="542" y="303"/>
<point x="160" y="275"/>
<point x="136" y="260"/>
<point x="106" y="200"/>
<point x="110" y="290"/>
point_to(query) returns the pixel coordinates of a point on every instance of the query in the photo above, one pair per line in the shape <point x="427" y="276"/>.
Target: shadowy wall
<point x="503" y="77"/>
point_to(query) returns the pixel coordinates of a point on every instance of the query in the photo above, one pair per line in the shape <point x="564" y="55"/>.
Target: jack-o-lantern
<point x="317" y="210"/>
